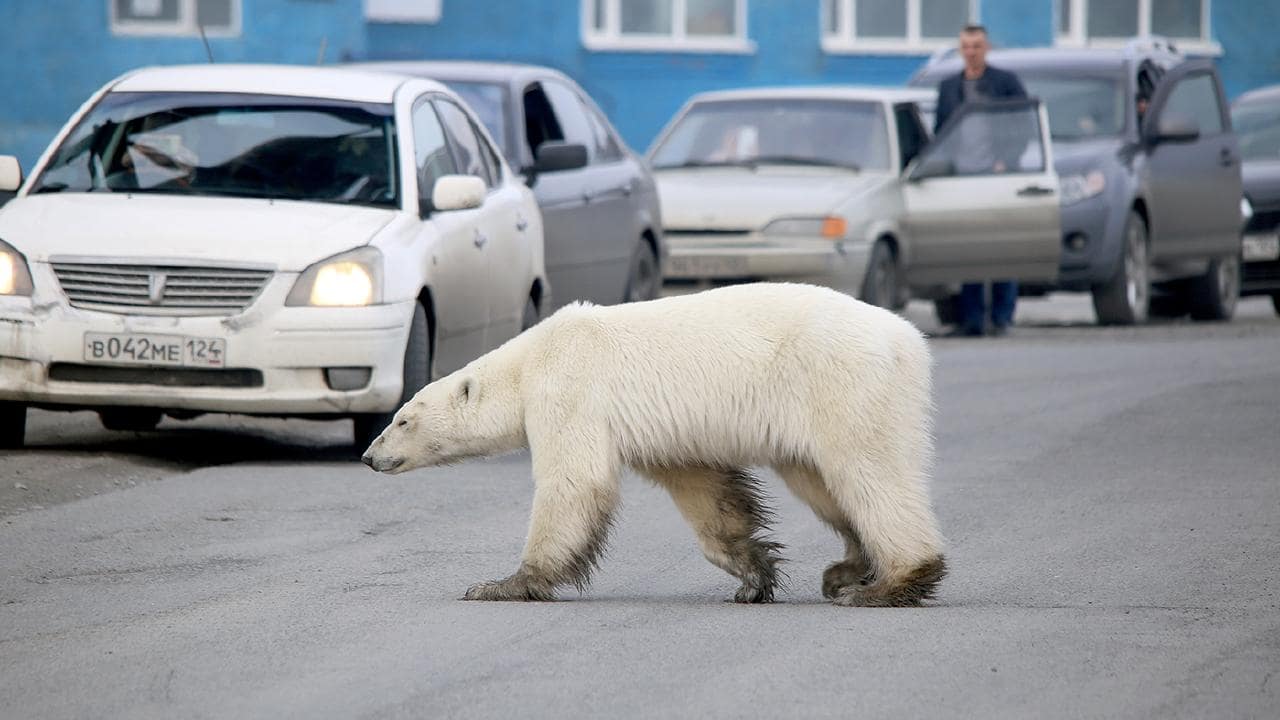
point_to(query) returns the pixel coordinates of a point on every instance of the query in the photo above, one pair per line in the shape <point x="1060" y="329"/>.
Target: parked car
<point x="841" y="186"/>
<point x="259" y="239"/>
<point x="1148" y="202"/>
<point x="1256" y="118"/>
<point x="599" y="207"/>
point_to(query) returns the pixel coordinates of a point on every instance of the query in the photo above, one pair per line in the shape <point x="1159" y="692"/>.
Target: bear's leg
<point x="889" y="510"/>
<point x="854" y="569"/>
<point x="572" y="511"/>
<point x="727" y="512"/>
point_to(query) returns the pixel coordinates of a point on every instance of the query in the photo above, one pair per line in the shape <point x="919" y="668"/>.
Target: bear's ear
<point x="466" y="391"/>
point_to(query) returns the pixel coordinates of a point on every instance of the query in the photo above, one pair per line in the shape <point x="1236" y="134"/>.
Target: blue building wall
<point x="55" y="53"/>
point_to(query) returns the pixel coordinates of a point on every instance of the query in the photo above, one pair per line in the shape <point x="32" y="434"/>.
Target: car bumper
<point x="1092" y="232"/>
<point x="1260" y="271"/>
<point x="712" y="257"/>
<point x="275" y="361"/>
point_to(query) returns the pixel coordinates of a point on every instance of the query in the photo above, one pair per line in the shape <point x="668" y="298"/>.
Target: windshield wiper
<point x="52" y="187"/>
<point x="802" y="160"/>
<point x="705" y="164"/>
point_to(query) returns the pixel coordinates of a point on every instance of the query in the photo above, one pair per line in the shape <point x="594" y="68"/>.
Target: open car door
<point x="981" y="200"/>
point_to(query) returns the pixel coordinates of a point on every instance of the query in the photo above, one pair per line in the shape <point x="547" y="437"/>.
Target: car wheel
<point x="13" y="425"/>
<point x="1125" y="298"/>
<point x="880" y="286"/>
<point x="1214" y="294"/>
<point x="947" y="309"/>
<point x="530" y="317"/>
<point x="417" y="373"/>
<point x="130" y="419"/>
<point x="643" y="281"/>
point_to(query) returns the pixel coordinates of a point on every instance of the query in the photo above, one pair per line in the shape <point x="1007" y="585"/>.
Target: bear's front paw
<point x="844" y="574"/>
<point x="518" y="587"/>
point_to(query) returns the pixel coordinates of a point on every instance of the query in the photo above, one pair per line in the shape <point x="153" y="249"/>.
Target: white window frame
<point x="611" y="37"/>
<point x="1076" y="35"/>
<point x="845" y="40"/>
<point x="403" y="11"/>
<point x="184" y="26"/>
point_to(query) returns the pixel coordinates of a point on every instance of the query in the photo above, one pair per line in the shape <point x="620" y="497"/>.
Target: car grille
<point x="1267" y="271"/>
<point x="165" y="377"/>
<point x="160" y="289"/>
<point x="1264" y="221"/>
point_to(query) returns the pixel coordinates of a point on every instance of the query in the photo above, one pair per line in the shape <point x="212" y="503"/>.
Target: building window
<point x="1106" y="22"/>
<point x="402" y="11"/>
<point x="666" y="25"/>
<point x="911" y="26"/>
<point x="175" y="17"/>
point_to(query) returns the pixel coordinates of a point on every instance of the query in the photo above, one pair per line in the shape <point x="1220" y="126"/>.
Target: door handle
<point x="479" y="239"/>
<point x="1226" y="158"/>
<point x="1034" y="191"/>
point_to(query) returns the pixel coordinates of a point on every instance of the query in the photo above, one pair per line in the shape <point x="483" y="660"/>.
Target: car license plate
<point x="706" y="266"/>
<point x="1261" y="247"/>
<point x="156" y="350"/>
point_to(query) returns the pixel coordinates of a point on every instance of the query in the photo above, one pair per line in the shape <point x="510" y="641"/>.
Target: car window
<point x="540" y="124"/>
<point x="1257" y="124"/>
<point x="572" y="117"/>
<point x="1196" y="97"/>
<point x="1080" y="107"/>
<point x="607" y="147"/>
<point x="912" y="136"/>
<point x="488" y="101"/>
<point x="430" y="151"/>
<point x="468" y="148"/>
<point x="991" y="138"/>
<point x="230" y="144"/>
<point x="793" y="131"/>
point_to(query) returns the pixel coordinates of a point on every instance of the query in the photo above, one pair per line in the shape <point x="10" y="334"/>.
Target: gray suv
<point x="1150" y="176"/>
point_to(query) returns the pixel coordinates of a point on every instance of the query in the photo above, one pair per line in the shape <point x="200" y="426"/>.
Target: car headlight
<point x="15" y="276"/>
<point x="351" y="279"/>
<point x="830" y="227"/>
<point x="1246" y="211"/>
<point x="1077" y="188"/>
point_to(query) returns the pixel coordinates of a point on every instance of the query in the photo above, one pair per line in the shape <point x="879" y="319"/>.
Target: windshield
<point x="837" y="133"/>
<point x="225" y="144"/>
<point x="489" y="103"/>
<point x="1257" y="125"/>
<point x="1080" y="107"/>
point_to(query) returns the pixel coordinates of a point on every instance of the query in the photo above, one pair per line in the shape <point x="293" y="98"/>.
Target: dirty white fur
<point x="830" y="391"/>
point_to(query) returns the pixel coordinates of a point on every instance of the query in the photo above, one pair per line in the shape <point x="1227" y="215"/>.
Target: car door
<point x="497" y="235"/>
<point x="981" y="200"/>
<point x="458" y="266"/>
<point x="1193" y="166"/>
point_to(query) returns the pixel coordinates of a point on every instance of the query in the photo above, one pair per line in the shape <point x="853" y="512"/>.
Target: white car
<point x="843" y="186"/>
<point x="274" y="240"/>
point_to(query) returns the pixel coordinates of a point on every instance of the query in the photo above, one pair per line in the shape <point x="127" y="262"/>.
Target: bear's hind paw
<point x="518" y="587"/>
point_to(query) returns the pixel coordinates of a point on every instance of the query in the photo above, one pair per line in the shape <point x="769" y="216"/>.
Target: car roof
<point x="1031" y="59"/>
<point x="874" y="93"/>
<point x="328" y="83"/>
<point x="1269" y="92"/>
<point x="463" y="70"/>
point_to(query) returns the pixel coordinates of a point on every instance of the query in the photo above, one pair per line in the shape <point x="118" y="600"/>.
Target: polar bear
<point x="693" y="391"/>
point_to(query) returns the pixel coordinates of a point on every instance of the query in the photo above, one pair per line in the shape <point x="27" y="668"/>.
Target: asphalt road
<point x="1109" y="495"/>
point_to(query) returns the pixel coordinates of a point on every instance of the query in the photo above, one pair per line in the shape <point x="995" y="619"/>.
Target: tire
<point x="644" y="279"/>
<point x="416" y="375"/>
<point x="1126" y="297"/>
<point x="13" y="425"/>
<point x="947" y="309"/>
<point x="1275" y="302"/>
<point x="1213" y="296"/>
<point x="880" y="286"/>
<point x="530" y="317"/>
<point x="128" y="419"/>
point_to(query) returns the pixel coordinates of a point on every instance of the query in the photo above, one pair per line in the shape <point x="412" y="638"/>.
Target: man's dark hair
<point x="974" y="28"/>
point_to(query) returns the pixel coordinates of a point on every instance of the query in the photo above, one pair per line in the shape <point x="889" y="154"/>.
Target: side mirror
<point x="10" y="173"/>
<point x="931" y="167"/>
<point x="1176" y="128"/>
<point x="555" y="155"/>
<point x="457" y="192"/>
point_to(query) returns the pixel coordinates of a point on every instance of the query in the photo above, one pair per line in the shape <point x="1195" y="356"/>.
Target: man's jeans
<point x="973" y="303"/>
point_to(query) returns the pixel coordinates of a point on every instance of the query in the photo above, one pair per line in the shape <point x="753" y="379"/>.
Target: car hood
<point x="286" y="235"/>
<point x="744" y="199"/>
<point x="1076" y="156"/>
<point x="1262" y="183"/>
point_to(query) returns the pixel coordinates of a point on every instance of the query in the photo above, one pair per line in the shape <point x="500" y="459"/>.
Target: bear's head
<point x="455" y="418"/>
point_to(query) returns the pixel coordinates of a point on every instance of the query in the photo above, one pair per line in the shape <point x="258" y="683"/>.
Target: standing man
<point x="979" y="82"/>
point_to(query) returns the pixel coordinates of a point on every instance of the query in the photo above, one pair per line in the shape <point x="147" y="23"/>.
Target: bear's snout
<point x="381" y="464"/>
